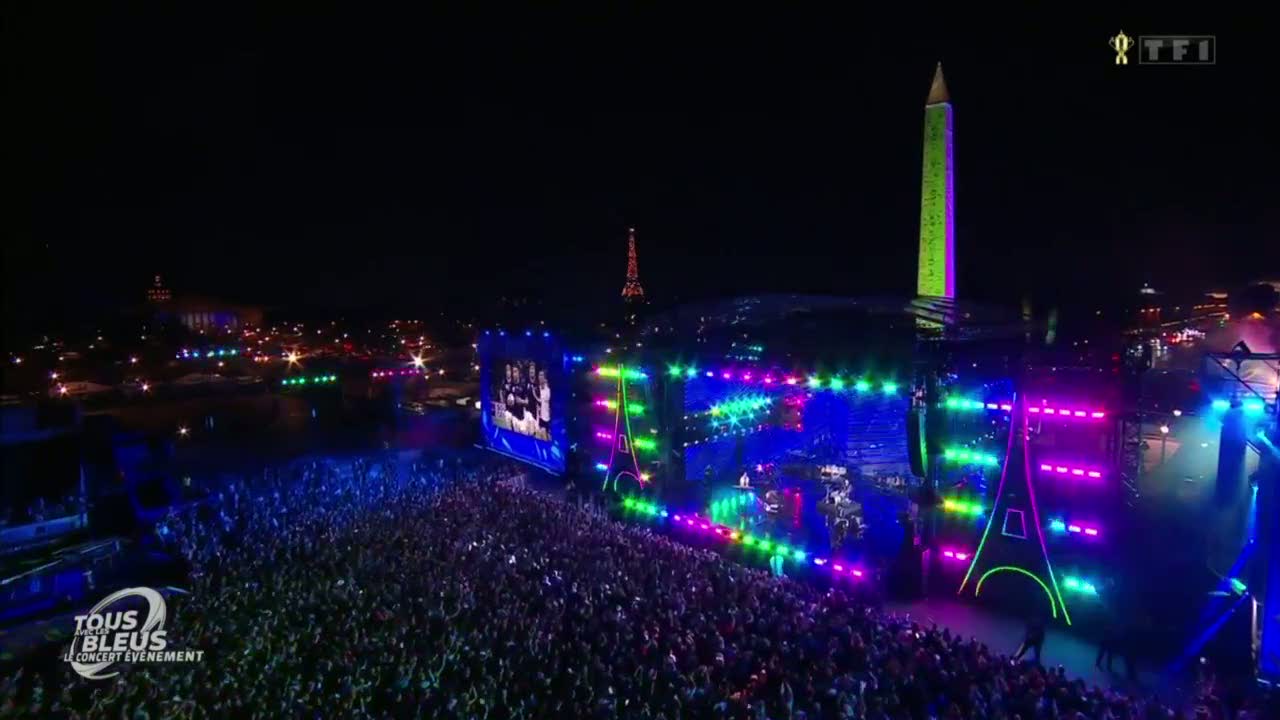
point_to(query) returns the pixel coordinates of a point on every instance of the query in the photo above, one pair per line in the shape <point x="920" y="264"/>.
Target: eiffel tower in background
<point x="632" y="293"/>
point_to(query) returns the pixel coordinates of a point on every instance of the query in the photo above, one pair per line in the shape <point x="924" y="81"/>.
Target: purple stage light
<point x="1068" y="412"/>
<point x="1073" y="471"/>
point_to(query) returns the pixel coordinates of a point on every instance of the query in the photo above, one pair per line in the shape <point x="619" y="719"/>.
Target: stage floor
<point x="1003" y="634"/>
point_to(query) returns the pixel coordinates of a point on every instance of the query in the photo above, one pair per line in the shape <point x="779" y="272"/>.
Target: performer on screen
<point x="745" y="480"/>
<point x="520" y="401"/>
<point x="509" y="399"/>
<point x="544" y="406"/>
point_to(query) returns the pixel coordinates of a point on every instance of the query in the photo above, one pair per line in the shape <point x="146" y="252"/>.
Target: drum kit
<point x="843" y="513"/>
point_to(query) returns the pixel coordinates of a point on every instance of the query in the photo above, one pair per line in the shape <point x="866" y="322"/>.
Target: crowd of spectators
<point x="372" y="589"/>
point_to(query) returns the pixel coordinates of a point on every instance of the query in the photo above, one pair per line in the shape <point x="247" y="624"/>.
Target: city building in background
<point x="158" y="293"/>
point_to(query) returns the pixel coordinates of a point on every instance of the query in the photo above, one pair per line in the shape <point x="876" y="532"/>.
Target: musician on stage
<point x="745" y="480"/>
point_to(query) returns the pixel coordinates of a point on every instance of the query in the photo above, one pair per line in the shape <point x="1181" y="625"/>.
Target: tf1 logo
<point x="1166" y="49"/>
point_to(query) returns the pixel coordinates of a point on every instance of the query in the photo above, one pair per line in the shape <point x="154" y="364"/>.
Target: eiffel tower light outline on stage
<point x="622" y="440"/>
<point x="1003" y="503"/>
<point x="631" y="290"/>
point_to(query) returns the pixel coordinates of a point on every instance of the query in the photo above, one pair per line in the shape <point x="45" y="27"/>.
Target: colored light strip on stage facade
<point x="741" y="406"/>
<point x="188" y="354"/>
<point x="398" y="372"/>
<point x="736" y="431"/>
<point x="1075" y="584"/>
<point x="698" y="523"/>
<point x="951" y="554"/>
<point x="956" y="403"/>
<point x="770" y="377"/>
<point x="966" y="455"/>
<point x="644" y="443"/>
<point x="309" y="380"/>
<point x="1057" y="469"/>
<point x="611" y="371"/>
<point x="962" y="507"/>
<point x="1070" y="413"/>
<point x="632" y="408"/>
<point x="1252" y="406"/>
<point x="1059" y="525"/>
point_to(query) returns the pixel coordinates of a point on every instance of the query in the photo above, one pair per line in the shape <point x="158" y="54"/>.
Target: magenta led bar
<point x="1058" y="469"/>
<point x="1069" y="413"/>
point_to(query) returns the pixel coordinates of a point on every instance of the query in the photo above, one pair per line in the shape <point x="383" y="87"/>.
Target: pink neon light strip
<point x="732" y="535"/>
<point x="1082" y="529"/>
<point x="1064" y="470"/>
<point x="1068" y="412"/>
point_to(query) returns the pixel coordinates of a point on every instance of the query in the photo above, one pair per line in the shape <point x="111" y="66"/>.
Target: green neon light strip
<point x="965" y="455"/>
<point x="1010" y="568"/>
<point x="620" y="371"/>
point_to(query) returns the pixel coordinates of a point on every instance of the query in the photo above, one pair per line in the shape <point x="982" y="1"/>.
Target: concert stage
<point x="978" y="470"/>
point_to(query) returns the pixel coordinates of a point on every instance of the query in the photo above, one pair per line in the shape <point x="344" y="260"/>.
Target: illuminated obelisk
<point x="937" y="272"/>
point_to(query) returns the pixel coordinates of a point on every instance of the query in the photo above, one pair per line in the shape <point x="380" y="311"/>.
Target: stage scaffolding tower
<point x="1136" y="363"/>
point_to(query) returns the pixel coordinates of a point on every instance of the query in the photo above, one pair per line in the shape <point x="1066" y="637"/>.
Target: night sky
<point x="414" y="164"/>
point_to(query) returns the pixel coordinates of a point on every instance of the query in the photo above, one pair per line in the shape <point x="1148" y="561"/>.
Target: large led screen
<point x="522" y="381"/>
